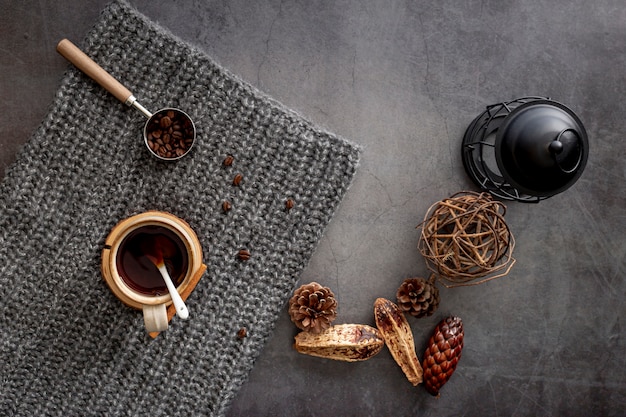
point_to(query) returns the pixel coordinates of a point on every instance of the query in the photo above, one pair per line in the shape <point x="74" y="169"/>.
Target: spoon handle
<point x="177" y="300"/>
<point x="81" y="61"/>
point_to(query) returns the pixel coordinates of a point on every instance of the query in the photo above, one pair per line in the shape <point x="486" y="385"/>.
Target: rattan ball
<point x="465" y="240"/>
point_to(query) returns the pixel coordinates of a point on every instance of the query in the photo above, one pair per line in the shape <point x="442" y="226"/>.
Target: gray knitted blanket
<point x="68" y="347"/>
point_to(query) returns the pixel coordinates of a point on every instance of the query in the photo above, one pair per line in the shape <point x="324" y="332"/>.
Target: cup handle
<point x="155" y="317"/>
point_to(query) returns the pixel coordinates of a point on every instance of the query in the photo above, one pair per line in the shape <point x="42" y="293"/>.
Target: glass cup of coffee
<point x="128" y="263"/>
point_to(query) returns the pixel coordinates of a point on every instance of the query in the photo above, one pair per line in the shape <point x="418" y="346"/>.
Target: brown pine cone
<point x="313" y="307"/>
<point x="418" y="297"/>
<point x="442" y="354"/>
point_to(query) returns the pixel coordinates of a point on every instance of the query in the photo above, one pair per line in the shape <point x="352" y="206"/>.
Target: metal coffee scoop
<point x="169" y="133"/>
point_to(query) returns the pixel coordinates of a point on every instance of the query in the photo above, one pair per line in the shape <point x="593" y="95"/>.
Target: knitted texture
<point x="68" y="346"/>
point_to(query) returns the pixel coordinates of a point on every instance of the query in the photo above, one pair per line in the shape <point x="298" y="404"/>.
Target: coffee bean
<point x="244" y="254"/>
<point x="169" y="133"/>
<point x="241" y="333"/>
<point x="165" y="122"/>
<point x="228" y="161"/>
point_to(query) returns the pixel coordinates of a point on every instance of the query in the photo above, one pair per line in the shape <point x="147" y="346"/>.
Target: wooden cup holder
<point x="128" y="295"/>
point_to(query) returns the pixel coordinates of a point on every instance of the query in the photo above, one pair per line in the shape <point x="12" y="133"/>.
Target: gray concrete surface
<point x="404" y="79"/>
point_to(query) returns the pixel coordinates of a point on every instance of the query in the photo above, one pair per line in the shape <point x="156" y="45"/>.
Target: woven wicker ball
<point x="465" y="238"/>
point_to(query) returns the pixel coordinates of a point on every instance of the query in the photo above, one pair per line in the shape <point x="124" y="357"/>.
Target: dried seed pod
<point x="398" y="337"/>
<point x="443" y="353"/>
<point x="343" y="342"/>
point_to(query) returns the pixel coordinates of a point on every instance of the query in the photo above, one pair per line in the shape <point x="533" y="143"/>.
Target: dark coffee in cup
<point x="135" y="259"/>
<point x="130" y="254"/>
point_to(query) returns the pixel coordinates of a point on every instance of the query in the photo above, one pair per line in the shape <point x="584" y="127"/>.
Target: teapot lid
<point x="541" y="148"/>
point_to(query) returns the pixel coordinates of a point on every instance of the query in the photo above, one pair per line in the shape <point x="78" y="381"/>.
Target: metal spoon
<point x="156" y="250"/>
<point x="184" y="139"/>
<point x="179" y="304"/>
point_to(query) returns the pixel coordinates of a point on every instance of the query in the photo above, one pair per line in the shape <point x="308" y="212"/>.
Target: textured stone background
<point x="404" y="79"/>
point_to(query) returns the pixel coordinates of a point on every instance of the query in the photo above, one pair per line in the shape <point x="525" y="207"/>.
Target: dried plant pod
<point x="343" y="342"/>
<point x="398" y="337"/>
<point x="418" y="297"/>
<point x="443" y="353"/>
<point x="313" y="307"/>
<point x="465" y="238"/>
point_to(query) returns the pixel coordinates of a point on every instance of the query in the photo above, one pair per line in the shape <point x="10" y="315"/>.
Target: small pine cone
<point x="418" y="297"/>
<point x="442" y="354"/>
<point x="313" y="307"/>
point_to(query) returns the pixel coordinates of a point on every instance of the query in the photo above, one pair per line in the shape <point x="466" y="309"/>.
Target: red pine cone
<point x="442" y="354"/>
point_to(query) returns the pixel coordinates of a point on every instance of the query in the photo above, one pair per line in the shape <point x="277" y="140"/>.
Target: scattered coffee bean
<point x="228" y="161"/>
<point x="170" y="133"/>
<point x="237" y="180"/>
<point x="226" y="206"/>
<point x="244" y="254"/>
<point x="289" y="204"/>
<point x="241" y="333"/>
